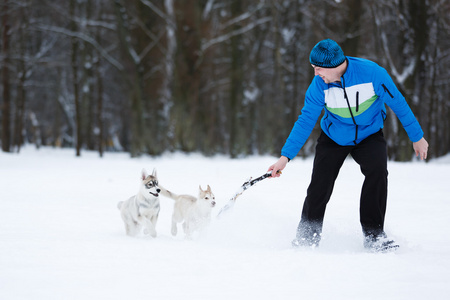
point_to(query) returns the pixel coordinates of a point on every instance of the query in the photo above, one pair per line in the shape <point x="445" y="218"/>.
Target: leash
<point x="250" y="182"/>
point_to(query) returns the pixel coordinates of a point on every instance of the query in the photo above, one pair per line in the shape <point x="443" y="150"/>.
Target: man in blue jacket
<point x="353" y="92"/>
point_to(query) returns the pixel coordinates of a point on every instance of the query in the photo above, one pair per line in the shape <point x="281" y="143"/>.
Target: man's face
<point x="328" y="75"/>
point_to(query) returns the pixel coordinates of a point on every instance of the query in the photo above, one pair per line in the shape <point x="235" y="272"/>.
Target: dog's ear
<point x="208" y="189"/>
<point x="143" y="174"/>
<point x="154" y="172"/>
<point x="200" y="188"/>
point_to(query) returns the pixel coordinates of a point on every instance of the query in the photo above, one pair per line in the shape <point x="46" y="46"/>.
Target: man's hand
<point x="421" y="148"/>
<point x="278" y="166"/>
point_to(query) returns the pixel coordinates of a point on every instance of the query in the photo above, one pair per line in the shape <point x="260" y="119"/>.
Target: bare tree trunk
<point x="20" y="94"/>
<point x="237" y="129"/>
<point x="187" y="79"/>
<point x="99" y="116"/>
<point x="134" y="77"/>
<point x="352" y="27"/>
<point x="20" y="110"/>
<point x="6" y="109"/>
<point x="76" y="94"/>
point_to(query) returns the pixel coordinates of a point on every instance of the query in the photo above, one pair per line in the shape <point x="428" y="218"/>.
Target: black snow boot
<point x="379" y="243"/>
<point x="311" y="242"/>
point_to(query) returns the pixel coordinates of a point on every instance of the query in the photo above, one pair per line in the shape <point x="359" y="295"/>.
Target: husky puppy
<point x="195" y="212"/>
<point x="142" y="209"/>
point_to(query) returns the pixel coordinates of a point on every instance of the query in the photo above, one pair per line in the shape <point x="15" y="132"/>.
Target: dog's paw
<point x="152" y="233"/>
<point x="174" y="230"/>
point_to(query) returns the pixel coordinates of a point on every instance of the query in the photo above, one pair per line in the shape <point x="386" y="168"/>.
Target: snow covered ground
<point x="61" y="236"/>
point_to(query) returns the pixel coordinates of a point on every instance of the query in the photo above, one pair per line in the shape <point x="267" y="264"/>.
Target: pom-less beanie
<point x="327" y="54"/>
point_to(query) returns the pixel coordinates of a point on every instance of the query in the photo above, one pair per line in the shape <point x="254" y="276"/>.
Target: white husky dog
<point x="142" y="209"/>
<point x="195" y="212"/>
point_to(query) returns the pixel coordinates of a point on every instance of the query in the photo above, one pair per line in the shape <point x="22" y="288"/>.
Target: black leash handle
<point x="250" y="183"/>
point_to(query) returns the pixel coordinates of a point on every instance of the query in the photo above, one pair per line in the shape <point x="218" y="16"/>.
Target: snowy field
<point x="61" y="235"/>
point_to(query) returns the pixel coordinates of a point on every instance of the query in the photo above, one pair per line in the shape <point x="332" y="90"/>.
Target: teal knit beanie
<point x="327" y="54"/>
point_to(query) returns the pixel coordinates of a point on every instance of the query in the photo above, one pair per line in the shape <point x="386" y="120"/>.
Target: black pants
<point x="371" y="155"/>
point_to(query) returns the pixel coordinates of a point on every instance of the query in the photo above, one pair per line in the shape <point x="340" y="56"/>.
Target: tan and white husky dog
<point x="195" y="212"/>
<point x="142" y="210"/>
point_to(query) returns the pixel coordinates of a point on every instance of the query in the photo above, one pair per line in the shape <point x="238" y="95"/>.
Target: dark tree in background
<point x="6" y="85"/>
<point x="210" y="76"/>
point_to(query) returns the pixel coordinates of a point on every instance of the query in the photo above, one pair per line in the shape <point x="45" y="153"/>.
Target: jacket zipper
<point x="357" y="101"/>
<point x="383" y="115"/>
<point x="350" y="109"/>
<point x="386" y="90"/>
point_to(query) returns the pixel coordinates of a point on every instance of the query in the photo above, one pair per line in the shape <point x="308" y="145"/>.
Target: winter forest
<point x="207" y="76"/>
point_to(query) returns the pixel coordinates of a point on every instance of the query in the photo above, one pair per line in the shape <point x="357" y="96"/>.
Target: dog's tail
<point x="119" y="205"/>
<point x="168" y="193"/>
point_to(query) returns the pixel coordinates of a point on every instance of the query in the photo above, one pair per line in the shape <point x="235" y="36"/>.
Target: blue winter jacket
<point x="354" y="108"/>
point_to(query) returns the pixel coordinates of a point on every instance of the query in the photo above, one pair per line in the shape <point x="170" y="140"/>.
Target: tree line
<point x="210" y="76"/>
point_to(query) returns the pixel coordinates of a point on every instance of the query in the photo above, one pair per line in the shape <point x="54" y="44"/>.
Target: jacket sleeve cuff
<point x="289" y="159"/>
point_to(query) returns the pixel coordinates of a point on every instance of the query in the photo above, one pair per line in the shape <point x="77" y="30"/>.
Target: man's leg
<point x="328" y="160"/>
<point x="371" y="155"/>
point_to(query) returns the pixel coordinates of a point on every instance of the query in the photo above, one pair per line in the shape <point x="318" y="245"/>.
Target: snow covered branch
<point x="240" y="31"/>
<point x="85" y="38"/>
